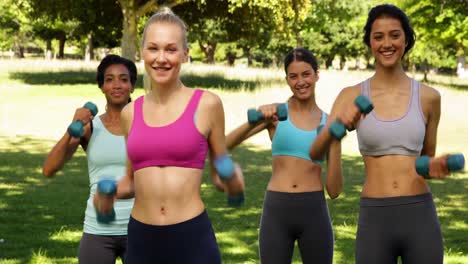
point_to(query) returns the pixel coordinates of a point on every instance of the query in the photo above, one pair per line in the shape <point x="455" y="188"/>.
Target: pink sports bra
<point x="178" y="144"/>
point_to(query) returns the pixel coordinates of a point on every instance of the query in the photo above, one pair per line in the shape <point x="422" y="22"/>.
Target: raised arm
<point x="344" y="110"/>
<point x="334" y="181"/>
<point x="246" y="130"/>
<point x="431" y="108"/>
<point x="65" y="148"/>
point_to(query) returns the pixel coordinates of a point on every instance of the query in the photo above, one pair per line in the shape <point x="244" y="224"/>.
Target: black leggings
<point x="405" y="226"/>
<point x="288" y="217"/>
<point x="189" y="242"/>
<point x="101" y="249"/>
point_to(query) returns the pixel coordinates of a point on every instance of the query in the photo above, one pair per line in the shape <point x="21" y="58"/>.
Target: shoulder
<point x="127" y="112"/>
<point x="351" y="91"/>
<point x="348" y="93"/>
<point x="429" y="94"/>
<point x="210" y="100"/>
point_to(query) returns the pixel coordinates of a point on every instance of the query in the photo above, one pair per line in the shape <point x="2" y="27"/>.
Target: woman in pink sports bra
<point x="168" y="133"/>
<point x="397" y="215"/>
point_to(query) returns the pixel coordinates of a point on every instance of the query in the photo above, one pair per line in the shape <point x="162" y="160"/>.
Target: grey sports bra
<point x="400" y="136"/>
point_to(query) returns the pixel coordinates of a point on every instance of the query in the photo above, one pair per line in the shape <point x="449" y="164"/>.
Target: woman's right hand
<point x="104" y="203"/>
<point x="269" y="112"/>
<point x="236" y="185"/>
<point x="83" y="114"/>
<point x="350" y="116"/>
<point x="438" y="167"/>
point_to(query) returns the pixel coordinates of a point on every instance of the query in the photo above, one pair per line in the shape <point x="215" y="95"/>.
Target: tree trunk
<point x="343" y="63"/>
<point x="426" y="70"/>
<point x="296" y="24"/>
<point x="130" y="29"/>
<point x="209" y="51"/>
<point x="231" y="58"/>
<point x="48" y="53"/>
<point x="328" y="62"/>
<point x="61" y="39"/>
<point x="89" y="52"/>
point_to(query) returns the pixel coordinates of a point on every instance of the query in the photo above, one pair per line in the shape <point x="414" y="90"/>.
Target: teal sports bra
<point x="290" y="140"/>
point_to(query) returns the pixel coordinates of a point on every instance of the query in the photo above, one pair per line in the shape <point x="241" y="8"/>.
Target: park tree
<point x="132" y="11"/>
<point x="16" y="27"/>
<point x="441" y="25"/>
<point x="246" y="24"/>
<point x="97" y="21"/>
<point x="207" y="24"/>
<point x="334" y="28"/>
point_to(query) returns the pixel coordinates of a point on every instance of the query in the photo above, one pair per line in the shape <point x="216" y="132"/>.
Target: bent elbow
<point x="334" y="191"/>
<point x="48" y="173"/>
<point x="333" y="195"/>
<point x="314" y="155"/>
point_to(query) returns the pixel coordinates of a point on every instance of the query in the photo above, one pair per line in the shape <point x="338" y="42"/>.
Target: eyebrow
<point x="391" y="31"/>
<point x="120" y="75"/>
<point x="155" y="44"/>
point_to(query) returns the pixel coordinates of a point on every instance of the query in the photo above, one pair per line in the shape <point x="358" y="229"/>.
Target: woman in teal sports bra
<point x="104" y="143"/>
<point x="295" y="207"/>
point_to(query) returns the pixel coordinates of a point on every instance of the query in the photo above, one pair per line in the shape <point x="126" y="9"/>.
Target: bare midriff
<point x="291" y="174"/>
<point x="167" y="195"/>
<point x="391" y="176"/>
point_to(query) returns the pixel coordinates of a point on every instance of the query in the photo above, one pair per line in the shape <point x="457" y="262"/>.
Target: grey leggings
<point x="100" y="249"/>
<point x="288" y="217"/>
<point x="405" y="226"/>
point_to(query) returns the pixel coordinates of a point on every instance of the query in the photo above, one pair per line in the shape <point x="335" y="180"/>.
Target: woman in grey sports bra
<point x="295" y="208"/>
<point x="397" y="216"/>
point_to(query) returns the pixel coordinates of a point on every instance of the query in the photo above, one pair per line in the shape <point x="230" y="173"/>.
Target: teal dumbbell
<point x="75" y="129"/>
<point x="108" y="188"/>
<point x="338" y="130"/>
<point x="254" y="116"/>
<point x="225" y="168"/>
<point x="455" y="162"/>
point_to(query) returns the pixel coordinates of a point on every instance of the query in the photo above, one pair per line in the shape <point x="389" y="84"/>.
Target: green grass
<point x="41" y="219"/>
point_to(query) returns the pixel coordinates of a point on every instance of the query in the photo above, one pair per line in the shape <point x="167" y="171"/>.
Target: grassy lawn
<point x="41" y="220"/>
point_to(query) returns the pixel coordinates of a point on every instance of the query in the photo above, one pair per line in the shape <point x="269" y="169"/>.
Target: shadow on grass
<point x="218" y="81"/>
<point x="456" y="86"/>
<point x="212" y="80"/>
<point x="61" y="77"/>
<point x="33" y="208"/>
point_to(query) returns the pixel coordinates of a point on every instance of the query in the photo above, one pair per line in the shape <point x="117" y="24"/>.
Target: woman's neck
<point x="390" y="75"/>
<point x="113" y="112"/>
<point x="304" y="105"/>
<point x="161" y="94"/>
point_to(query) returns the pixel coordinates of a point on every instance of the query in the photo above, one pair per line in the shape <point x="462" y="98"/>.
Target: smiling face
<point x="117" y="86"/>
<point x="387" y="41"/>
<point x="301" y="78"/>
<point x="164" y="52"/>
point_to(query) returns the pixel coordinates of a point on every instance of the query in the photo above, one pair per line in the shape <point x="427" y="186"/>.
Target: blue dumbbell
<point x="75" y="129"/>
<point x="108" y="188"/>
<point x="455" y="162"/>
<point x="254" y="116"/>
<point x="338" y="130"/>
<point x="225" y="168"/>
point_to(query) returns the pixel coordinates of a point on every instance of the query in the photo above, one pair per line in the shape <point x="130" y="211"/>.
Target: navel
<point x="395" y="185"/>
<point x="163" y="210"/>
<point x="294" y="186"/>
